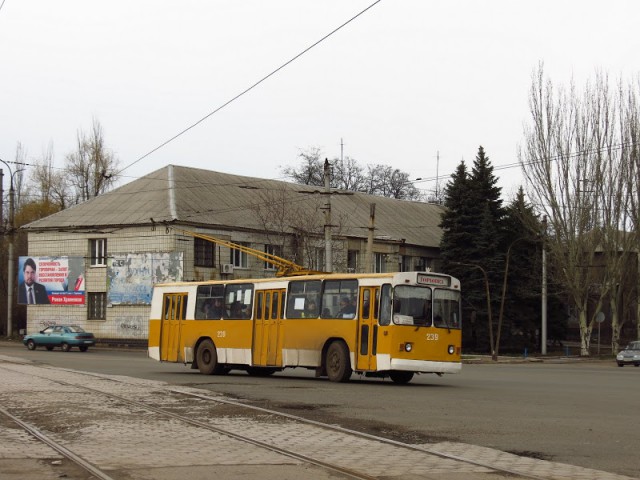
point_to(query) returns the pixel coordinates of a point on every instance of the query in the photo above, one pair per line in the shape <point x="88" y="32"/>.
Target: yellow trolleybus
<point x="380" y="325"/>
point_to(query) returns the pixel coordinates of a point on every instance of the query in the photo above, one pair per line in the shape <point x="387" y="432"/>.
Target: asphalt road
<point x="579" y="412"/>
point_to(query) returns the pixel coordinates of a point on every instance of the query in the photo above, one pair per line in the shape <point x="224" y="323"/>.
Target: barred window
<point x="98" y="251"/>
<point x="204" y="253"/>
<point x="97" y="306"/>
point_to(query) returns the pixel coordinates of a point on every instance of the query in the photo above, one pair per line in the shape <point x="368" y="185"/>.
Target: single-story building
<point x="99" y="260"/>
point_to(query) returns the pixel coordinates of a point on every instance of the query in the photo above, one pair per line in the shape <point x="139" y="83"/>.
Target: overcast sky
<point x="406" y="81"/>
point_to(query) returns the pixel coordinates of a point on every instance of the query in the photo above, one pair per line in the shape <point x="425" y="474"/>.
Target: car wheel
<point x="49" y="347"/>
<point x="620" y="364"/>
<point x="636" y="364"/>
<point x="337" y="362"/>
<point x="83" y="348"/>
<point x="31" y="345"/>
<point x="65" y="347"/>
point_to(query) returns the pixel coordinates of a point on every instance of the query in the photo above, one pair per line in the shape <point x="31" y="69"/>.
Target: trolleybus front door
<point x="367" y="328"/>
<point x="267" y="338"/>
<point x="174" y="308"/>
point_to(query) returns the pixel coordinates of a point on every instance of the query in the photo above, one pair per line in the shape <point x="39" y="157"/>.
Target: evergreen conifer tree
<point x="471" y="242"/>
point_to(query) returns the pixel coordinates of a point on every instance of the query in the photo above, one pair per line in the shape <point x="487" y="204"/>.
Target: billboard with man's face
<point x="51" y="281"/>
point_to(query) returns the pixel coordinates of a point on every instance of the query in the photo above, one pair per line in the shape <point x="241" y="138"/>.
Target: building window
<point x="204" y="253"/>
<point x="381" y="263"/>
<point x="98" y="254"/>
<point x="97" y="306"/>
<point x="239" y="259"/>
<point x="318" y="260"/>
<point x="422" y="264"/>
<point x="272" y="250"/>
<point x="405" y="263"/>
<point x="352" y="261"/>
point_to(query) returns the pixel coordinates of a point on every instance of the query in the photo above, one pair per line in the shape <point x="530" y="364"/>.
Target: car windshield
<point x="75" y="329"/>
<point x="634" y="346"/>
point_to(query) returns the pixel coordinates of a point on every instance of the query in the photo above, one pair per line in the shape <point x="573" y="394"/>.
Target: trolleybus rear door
<point x="267" y="335"/>
<point x="367" y="328"/>
<point x="174" y="308"/>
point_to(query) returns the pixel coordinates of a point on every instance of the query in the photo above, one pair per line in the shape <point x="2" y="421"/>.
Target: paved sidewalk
<point x="133" y="443"/>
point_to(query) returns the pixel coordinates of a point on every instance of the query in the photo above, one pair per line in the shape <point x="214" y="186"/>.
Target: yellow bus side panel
<point x="304" y="338"/>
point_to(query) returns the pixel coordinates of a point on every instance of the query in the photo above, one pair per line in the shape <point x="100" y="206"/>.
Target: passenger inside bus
<point x="311" y="309"/>
<point x="347" y="308"/>
<point x="217" y="309"/>
<point x="235" y="311"/>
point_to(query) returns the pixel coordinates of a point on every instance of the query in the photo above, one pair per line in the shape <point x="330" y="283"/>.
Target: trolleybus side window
<point x="339" y="299"/>
<point x="446" y="309"/>
<point x="209" y="302"/>
<point x="238" y="300"/>
<point x="303" y="294"/>
<point x="385" y="305"/>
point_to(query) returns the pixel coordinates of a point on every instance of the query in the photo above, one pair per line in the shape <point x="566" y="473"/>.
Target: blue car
<point x="63" y="336"/>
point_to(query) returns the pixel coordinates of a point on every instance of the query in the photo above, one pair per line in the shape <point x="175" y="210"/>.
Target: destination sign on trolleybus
<point x="426" y="279"/>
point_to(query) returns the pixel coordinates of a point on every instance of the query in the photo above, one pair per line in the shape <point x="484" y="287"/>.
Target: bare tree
<point x="347" y="174"/>
<point x="19" y="175"/>
<point x="49" y="182"/>
<point x="295" y="224"/>
<point x="311" y="172"/>
<point x="575" y="173"/>
<point x="91" y="166"/>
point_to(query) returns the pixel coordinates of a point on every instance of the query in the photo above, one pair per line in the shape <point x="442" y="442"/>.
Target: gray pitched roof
<point x="206" y="198"/>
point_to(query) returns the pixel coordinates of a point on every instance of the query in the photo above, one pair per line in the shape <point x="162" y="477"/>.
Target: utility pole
<point x="10" y="266"/>
<point x="2" y="200"/>
<point x="327" y="216"/>
<point x="372" y="227"/>
<point x="543" y="330"/>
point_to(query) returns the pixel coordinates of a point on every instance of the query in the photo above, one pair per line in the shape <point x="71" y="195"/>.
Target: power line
<point x="247" y="90"/>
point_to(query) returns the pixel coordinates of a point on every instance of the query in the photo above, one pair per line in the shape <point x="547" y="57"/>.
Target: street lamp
<point x="494" y="355"/>
<point x="10" y="266"/>
<point x="504" y="291"/>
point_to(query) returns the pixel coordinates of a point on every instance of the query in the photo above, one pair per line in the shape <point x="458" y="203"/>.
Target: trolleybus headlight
<point x="451" y="349"/>
<point x="408" y="347"/>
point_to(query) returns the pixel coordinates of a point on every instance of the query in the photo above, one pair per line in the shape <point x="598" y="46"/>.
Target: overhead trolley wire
<point x="247" y="90"/>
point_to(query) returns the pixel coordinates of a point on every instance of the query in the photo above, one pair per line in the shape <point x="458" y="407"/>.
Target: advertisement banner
<point x="51" y="280"/>
<point x="131" y="276"/>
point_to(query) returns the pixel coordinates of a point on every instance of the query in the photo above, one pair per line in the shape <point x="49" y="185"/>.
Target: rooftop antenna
<point x="437" y="176"/>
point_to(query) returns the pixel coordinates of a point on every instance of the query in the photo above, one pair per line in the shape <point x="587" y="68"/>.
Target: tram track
<point x="212" y="413"/>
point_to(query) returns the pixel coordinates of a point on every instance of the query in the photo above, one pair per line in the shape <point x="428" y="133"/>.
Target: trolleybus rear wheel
<point x="401" y="377"/>
<point x="207" y="357"/>
<point x="337" y="362"/>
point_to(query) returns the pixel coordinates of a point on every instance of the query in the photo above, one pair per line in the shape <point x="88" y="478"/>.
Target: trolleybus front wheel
<point x="207" y="358"/>
<point x="337" y="362"/>
<point x="401" y="377"/>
